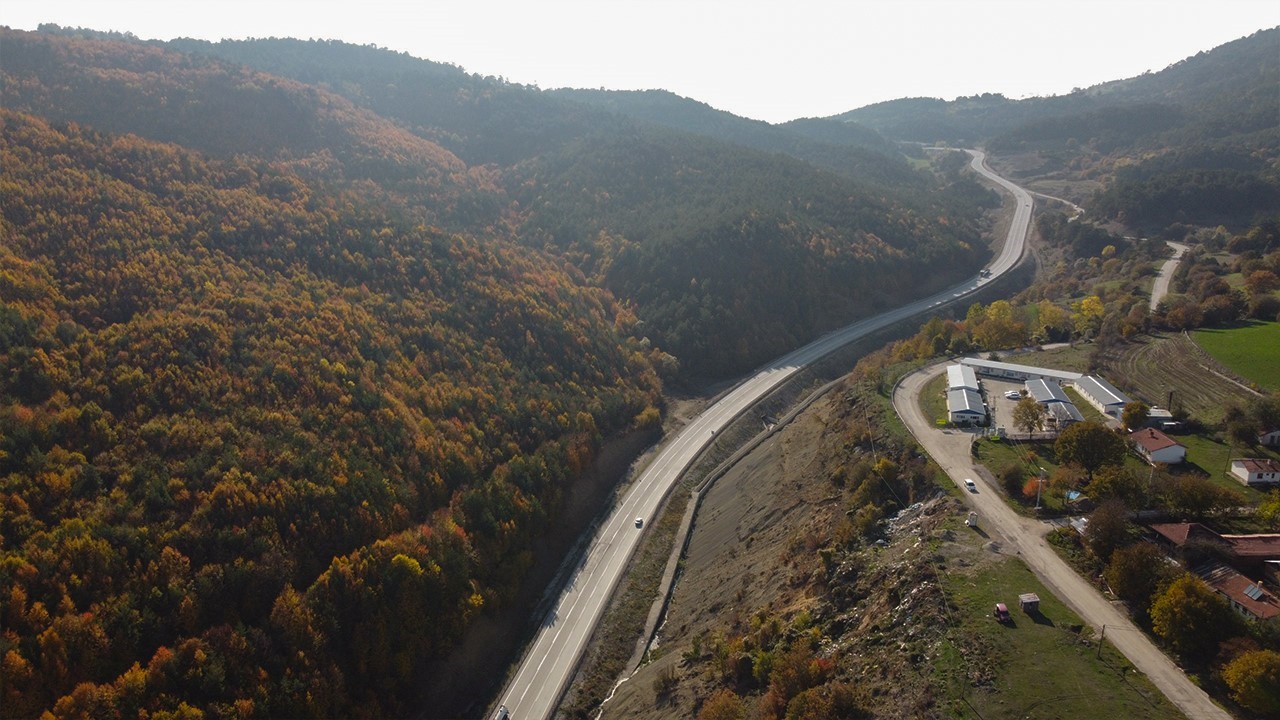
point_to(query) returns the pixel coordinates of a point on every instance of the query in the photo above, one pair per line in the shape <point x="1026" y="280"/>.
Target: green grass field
<point x="1252" y="351"/>
<point x="1039" y="666"/>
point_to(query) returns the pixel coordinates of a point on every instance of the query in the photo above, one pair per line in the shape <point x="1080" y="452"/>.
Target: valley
<point x="319" y="360"/>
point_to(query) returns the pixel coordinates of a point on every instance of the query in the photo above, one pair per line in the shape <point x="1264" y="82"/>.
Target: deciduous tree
<point x="1254" y="680"/>
<point x="1136" y="572"/>
<point x="1090" y="445"/>
<point x="1135" y="414"/>
<point x="1028" y="415"/>
<point x="1191" y="618"/>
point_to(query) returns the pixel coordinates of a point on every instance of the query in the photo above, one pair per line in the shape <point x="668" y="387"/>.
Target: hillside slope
<point x="589" y="183"/>
<point x="263" y="443"/>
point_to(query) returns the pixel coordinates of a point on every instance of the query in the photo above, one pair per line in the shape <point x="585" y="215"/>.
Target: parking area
<point x="1001" y="407"/>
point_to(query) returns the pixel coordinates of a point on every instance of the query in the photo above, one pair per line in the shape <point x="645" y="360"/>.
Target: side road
<point x="950" y="450"/>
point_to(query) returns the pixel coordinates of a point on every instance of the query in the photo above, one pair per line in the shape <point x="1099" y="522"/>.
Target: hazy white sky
<point x="771" y="61"/>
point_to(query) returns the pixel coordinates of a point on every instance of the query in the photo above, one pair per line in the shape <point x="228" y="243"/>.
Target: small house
<point x="1270" y="438"/>
<point x="1156" y="447"/>
<point x="1256" y="472"/>
<point x="1245" y="596"/>
<point x="1029" y="602"/>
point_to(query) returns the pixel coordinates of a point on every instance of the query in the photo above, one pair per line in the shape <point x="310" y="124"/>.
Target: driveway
<point x="1025" y="536"/>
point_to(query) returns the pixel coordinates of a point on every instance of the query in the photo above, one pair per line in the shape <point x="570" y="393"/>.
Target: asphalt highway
<point x="550" y="661"/>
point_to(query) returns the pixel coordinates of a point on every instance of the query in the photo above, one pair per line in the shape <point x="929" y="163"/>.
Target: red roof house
<point x="1156" y="447"/>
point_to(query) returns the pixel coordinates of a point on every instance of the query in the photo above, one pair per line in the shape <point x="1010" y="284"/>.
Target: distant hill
<point x="1197" y="143"/>
<point x="1234" y="83"/>
<point x="842" y="147"/>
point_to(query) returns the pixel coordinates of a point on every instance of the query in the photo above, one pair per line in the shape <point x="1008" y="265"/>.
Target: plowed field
<point x="1152" y="366"/>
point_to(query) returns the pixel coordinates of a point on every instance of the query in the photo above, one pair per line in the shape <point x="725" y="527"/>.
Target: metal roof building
<point x="1013" y="371"/>
<point x="1102" y="394"/>
<point x="961" y="376"/>
<point x="1065" y="413"/>
<point x="1047" y="391"/>
<point x="965" y="406"/>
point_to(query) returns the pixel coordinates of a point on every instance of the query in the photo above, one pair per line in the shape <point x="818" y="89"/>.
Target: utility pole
<point x="1101" y="639"/>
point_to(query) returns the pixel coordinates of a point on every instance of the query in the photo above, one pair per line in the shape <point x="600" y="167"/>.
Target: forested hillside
<point x="266" y="449"/>
<point x="844" y="148"/>
<point x="295" y="370"/>
<point x="705" y="224"/>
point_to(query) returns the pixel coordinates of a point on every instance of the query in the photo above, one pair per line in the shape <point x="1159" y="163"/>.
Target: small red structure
<point x="1002" y="613"/>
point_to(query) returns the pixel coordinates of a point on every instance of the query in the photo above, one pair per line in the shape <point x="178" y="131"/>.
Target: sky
<point x="772" y="61"/>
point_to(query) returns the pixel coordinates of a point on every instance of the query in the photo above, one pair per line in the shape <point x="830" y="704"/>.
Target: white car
<point x="969" y="484"/>
<point x="639" y="522"/>
<point x="1013" y="395"/>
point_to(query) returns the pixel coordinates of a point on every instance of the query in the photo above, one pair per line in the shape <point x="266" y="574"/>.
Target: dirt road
<point x="950" y="449"/>
<point x="1161" y="286"/>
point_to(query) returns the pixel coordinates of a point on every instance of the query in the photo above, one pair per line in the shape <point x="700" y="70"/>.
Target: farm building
<point x="1012" y="371"/>
<point x="1046" y="392"/>
<point x="1254" y="471"/>
<point x="965" y="407"/>
<point x="1102" y="394"/>
<point x="962" y="377"/>
<point x="1271" y="438"/>
<point x="1156" y="447"/>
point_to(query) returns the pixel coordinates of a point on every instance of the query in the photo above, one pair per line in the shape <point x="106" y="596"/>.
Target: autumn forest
<point x="289" y="389"/>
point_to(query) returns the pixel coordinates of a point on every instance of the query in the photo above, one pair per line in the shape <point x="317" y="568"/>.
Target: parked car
<point x="1002" y="613"/>
<point x="1014" y="395"/>
<point x="972" y="520"/>
<point x="970" y="485"/>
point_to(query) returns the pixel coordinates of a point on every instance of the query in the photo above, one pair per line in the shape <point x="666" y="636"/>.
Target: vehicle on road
<point x="639" y="522"/>
<point x="970" y="485"/>
<point x="502" y="713"/>
<point x="1001" y="613"/>
<point x="972" y="520"/>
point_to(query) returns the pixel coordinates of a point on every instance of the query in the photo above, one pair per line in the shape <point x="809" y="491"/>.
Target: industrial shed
<point x="1102" y="394"/>
<point x="1064" y="414"/>
<point x="1047" y="392"/>
<point x="965" y="407"/>
<point x="962" y="377"/>
<point x="1013" y="371"/>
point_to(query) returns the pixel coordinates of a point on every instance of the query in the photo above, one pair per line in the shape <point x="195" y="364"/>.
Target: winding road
<point x="1025" y="536"/>
<point x="1161" y="286"/>
<point x="550" y="661"/>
